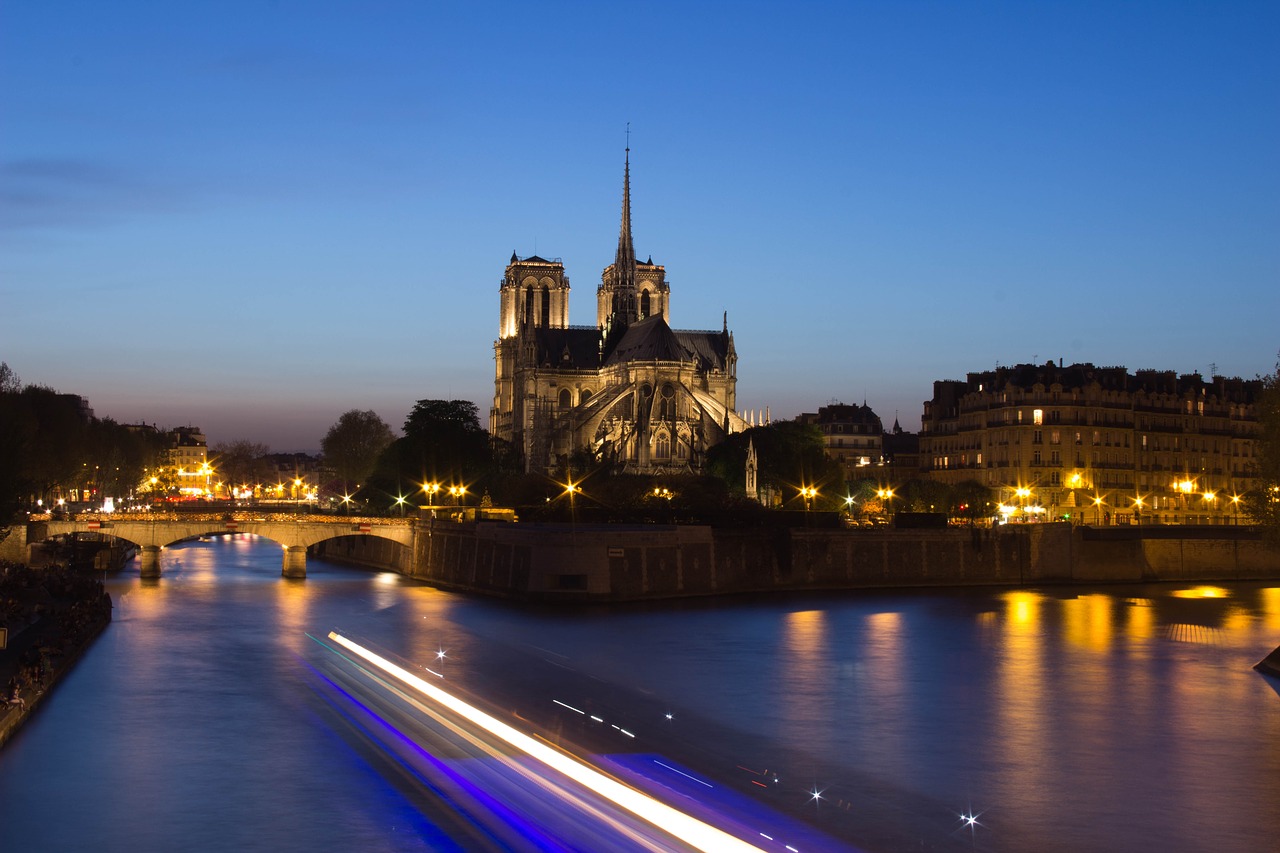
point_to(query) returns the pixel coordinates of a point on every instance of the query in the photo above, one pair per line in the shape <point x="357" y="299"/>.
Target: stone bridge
<point x="293" y="534"/>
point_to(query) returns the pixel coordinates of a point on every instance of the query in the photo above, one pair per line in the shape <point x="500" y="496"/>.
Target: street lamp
<point x="1097" y="508"/>
<point x="1235" y="510"/>
<point x="1022" y="493"/>
<point x="808" y="493"/>
<point x="1137" y="509"/>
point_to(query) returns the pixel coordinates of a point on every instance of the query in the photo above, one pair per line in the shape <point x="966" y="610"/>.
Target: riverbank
<point x="50" y="616"/>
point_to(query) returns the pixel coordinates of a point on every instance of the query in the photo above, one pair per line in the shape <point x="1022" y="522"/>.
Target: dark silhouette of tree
<point x="352" y="446"/>
<point x="444" y="444"/>
<point x="790" y="456"/>
<point x="972" y="501"/>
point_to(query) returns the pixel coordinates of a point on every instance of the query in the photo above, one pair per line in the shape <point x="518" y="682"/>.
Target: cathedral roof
<point x="651" y="339"/>
<point x="576" y="347"/>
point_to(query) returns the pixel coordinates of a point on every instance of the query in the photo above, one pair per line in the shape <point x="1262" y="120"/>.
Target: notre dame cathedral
<point x="629" y="390"/>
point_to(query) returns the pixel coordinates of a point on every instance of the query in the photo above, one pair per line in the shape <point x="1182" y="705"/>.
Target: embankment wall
<point x="623" y="563"/>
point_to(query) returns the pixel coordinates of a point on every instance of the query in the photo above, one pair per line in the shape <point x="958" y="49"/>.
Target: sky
<point x="254" y="216"/>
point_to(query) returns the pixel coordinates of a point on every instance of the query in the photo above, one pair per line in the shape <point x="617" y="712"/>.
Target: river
<point x="1103" y="719"/>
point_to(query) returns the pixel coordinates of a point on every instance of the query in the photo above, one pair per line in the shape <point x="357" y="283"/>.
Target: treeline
<point x="50" y="445"/>
<point x="444" y="448"/>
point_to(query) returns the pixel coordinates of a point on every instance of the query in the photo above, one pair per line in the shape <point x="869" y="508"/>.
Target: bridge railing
<point x="222" y="517"/>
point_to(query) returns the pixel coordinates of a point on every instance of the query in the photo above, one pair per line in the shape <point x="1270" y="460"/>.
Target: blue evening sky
<point x="253" y="216"/>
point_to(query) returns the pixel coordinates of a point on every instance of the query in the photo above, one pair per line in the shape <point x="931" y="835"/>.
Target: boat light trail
<point x="689" y="829"/>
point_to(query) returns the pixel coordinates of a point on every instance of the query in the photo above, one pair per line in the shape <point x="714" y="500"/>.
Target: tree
<point x="443" y="444"/>
<point x="1263" y="502"/>
<point x="352" y="445"/>
<point x="791" y="456"/>
<point x="971" y="500"/>
<point x="240" y="462"/>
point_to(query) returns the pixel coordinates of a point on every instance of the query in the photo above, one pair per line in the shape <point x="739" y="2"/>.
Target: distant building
<point x="293" y="477"/>
<point x="851" y="435"/>
<point x="1098" y="443"/>
<point x="901" y="454"/>
<point x="189" y="455"/>
<point x="629" y="389"/>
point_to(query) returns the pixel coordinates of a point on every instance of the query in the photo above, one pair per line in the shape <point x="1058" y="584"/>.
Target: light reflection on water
<point x="1123" y="718"/>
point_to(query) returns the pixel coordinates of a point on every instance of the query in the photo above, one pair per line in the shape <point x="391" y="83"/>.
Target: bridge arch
<point x="293" y="535"/>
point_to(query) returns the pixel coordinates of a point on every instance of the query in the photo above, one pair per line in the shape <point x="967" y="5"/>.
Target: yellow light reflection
<point x="1271" y="608"/>
<point x="1088" y="621"/>
<point x="1202" y="592"/>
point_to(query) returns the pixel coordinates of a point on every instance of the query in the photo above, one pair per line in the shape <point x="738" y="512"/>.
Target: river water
<point x="1101" y="719"/>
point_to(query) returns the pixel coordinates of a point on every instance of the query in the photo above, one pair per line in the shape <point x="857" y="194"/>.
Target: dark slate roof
<point x="581" y="343"/>
<point x="712" y="348"/>
<point x="651" y="339"/>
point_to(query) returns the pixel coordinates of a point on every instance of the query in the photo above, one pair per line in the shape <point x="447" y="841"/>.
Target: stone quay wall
<point x="634" y="562"/>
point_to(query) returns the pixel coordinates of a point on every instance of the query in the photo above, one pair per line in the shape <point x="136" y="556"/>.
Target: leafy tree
<point x="352" y="445"/>
<point x="971" y="500"/>
<point x="921" y="495"/>
<point x="790" y="455"/>
<point x="1263" y="503"/>
<point x="443" y="443"/>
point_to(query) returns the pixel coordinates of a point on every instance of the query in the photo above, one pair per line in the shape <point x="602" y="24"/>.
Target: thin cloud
<point x="49" y="192"/>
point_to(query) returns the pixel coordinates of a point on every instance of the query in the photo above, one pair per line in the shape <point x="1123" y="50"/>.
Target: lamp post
<point x="1097" y="509"/>
<point x="1235" y="510"/>
<point x="1023" y="493"/>
<point x="1137" y="510"/>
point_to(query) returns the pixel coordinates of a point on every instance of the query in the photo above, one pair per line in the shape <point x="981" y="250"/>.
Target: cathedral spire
<point x="624" y="261"/>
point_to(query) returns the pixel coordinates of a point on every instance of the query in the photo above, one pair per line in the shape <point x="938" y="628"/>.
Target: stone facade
<point x="1097" y="443"/>
<point x="628" y="390"/>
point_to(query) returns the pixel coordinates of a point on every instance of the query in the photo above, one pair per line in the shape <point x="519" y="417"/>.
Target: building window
<point x="1055" y="436"/>
<point x="644" y="304"/>
<point x="1037" y="417"/>
<point x="565" y="398"/>
<point x="664" y="446"/>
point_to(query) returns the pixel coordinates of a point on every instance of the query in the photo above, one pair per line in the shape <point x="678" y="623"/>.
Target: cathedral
<point x="629" y="390"/>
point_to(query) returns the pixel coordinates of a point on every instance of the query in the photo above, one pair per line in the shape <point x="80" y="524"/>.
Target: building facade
<point x="851" y="435"/>
<point x="629" y="390"/>
<point x="1098" y="444"/>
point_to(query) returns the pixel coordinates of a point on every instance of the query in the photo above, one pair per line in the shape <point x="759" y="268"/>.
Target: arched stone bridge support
<point x="151" y="535"/>
<point x="295" y="561"/>
<point x="149" y="560"/>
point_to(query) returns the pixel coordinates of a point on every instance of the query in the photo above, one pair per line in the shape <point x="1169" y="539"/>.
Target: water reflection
<point x="1082" y="719"/>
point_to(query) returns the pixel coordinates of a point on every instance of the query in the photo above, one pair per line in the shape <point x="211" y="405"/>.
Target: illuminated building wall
<point x="1096" y="443"/>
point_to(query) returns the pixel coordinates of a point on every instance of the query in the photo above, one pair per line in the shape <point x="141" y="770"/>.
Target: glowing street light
<point x="808" y="493"/>
<point x="431" y="489"/>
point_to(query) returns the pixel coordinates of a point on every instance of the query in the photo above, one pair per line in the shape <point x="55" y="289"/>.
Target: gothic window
<point x="667" y="405"/>
<point x="528" y="302"/>
<point x="663" y="450"/>
<point x="546" y="307"/>
<point x="565" y="398"/>
<point x="584" y="396"/>
<point x="644" y="304"/>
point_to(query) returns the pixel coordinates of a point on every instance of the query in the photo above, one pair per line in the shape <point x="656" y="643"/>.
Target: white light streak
<point x="570" y="707"/>
<point x="685" y="827"/>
